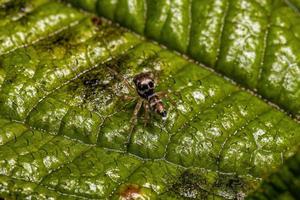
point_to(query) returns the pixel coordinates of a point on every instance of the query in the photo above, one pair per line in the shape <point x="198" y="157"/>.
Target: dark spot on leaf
<point x="97" y="21"/>
<point x="24" y="20"/>
<point x="189" y="185"/>
<point x="91" y="83"/>
<point x="62" y="38"/>
<point x="94" y="90"/>
<point x="232" y="182"/>
<point x="110" y="31"/>
<point x="95" y="80"/>
<point x="10" y="79"/>
<point x="196" y="184"/>
<point x="11" y="6"/>
<point x="117" y="63"/>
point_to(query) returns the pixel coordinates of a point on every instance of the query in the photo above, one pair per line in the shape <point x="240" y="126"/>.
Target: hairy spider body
<point x="156" y="105"/>
<point x="145" y="85"/>
<point x="147" y="97"/>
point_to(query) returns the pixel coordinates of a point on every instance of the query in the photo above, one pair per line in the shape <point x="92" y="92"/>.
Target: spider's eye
<point x="144" y="87"/>
<point x="151" y="84"/>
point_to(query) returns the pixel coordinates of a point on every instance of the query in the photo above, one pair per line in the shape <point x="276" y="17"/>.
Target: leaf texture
<point x="256" y="43"/>
<point x="284" y="184"/>
<point x="295" y="3"/>
<point x="65" y="128"/>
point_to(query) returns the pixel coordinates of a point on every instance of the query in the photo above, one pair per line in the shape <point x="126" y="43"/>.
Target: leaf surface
<point x="65" y="128"/>
<point x="256" y="43"/>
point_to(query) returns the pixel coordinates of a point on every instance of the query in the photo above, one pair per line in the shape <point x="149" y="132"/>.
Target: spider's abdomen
<point x="157" y="105"/>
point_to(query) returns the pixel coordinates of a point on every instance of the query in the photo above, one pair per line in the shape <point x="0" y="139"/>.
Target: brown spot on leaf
<point x="97" y="21"/>
<point x="130" y="192"/>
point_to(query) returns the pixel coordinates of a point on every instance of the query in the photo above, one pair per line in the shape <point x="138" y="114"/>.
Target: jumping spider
<point x="150" y="100"/>
<point x="144" y="83"/>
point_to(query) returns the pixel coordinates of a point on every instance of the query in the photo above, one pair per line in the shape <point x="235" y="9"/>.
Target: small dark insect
<point x="147" y="97"/>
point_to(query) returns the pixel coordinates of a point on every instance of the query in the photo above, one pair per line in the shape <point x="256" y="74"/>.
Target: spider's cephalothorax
<point x="145" y="85"/>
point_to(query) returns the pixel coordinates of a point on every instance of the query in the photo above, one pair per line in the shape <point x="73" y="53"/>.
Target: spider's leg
<point x="146" y="113"/>
<point x="124" y="101"/>
<point x="116" y="74"/>
<point x="157" y="74"/>
<point x="128" y="98"/>
<point x="133" y="119"/>
<point x="163" y="94"/>
<point x="113" y="71"/>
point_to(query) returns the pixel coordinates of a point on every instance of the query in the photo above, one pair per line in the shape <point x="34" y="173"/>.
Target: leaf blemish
<point x="188" y="185"/>
<point x="97" y="21"/>
<point x="130" y="192"/>
<point x="203" y="185"/>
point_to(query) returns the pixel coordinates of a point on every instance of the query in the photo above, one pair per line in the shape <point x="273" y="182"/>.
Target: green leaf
<point x="256" y="43"/>
<point x="295" y="3"/>
<point x="65" y="128"/>
<point x="284" y="184"/>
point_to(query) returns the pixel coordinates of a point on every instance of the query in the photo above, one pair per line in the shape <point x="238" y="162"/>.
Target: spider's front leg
<point x="146" y="113"/>
<point x="126" y="83"/>
<point x="122" y="79"/>
<point x="133" y="120"/>
<point x="163" y="94"/>
<point x="128" y="98"/>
